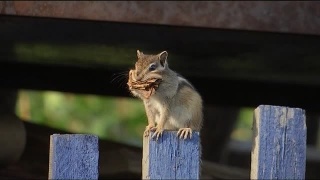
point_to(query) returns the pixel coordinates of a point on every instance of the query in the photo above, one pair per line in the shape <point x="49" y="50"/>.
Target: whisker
<point x="118" y="76"/>
<point x="121" y="81"/>
<point x="122" y="84"/>
<point x="117" y="79"/>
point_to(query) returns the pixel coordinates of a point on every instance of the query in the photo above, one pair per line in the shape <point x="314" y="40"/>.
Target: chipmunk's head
<point x="149" y="66"/>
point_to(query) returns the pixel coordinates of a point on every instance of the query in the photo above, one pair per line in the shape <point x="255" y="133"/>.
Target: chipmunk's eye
<point x="152" y="67"/>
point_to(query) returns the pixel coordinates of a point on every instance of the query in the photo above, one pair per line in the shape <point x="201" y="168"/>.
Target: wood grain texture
<point x="292" y="17"/>
<point x="279" y="148"/>
<point x="73" y="156"/>
<point x="171" y="157"/>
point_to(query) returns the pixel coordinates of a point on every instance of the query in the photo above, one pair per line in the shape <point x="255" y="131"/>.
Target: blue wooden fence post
<point x="73" y="156"/>
<point x="279" y="147"/>
<point x="171" y="157"/>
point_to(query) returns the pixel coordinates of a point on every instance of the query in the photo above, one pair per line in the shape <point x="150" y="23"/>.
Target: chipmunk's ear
<point x="163" y="58"/>
<point x="139" y="54"/>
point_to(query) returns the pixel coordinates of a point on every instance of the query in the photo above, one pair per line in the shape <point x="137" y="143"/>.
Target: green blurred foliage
<point x="75" y="54"/>
<point x="119" y="119"/>
<point x="243" y="128"/>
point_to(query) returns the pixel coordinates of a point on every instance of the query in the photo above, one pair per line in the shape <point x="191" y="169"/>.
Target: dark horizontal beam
<point x="196" y="52"/>
<point x="215" y="91"/>
<point x="59" y="29"/>
<point x="229" y="68"/>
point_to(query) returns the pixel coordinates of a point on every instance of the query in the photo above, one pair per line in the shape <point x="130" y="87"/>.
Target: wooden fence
<point x="278" y="151"/>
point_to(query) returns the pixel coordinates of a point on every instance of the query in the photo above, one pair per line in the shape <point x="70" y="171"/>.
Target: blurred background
<point x="117" y="119"/>
<point x="64" y="65"/>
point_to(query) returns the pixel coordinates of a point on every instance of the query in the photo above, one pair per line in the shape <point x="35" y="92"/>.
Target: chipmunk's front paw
<point x="158" y="132"/>
<point x="149" y="128"/>
<point x="184" y="132"/>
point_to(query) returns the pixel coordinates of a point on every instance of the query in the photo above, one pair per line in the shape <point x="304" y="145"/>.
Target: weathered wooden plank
<point x="171" y="157"/>
<point x="279" y="148"/>
<point x="263" y="16"/>
<point x="73" y="156"/>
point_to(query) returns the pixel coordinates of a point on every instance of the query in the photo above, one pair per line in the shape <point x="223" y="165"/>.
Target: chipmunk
<point x="173" y="105"/>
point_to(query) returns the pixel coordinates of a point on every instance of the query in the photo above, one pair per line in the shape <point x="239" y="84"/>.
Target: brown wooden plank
<point x="293" y="17"/>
